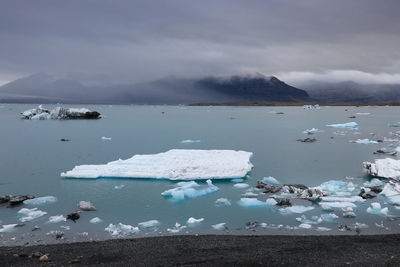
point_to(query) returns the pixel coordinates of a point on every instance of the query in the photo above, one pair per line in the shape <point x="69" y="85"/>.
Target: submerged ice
<point x="175" y="164"/>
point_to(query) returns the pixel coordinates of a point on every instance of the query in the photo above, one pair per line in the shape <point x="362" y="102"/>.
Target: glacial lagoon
<point x="32" y="158"/>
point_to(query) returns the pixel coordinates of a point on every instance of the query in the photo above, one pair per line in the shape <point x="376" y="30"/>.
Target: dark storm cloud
<point x="142" y="40"/>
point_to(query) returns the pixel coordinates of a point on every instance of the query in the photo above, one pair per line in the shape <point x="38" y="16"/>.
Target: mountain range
<point x="45" y="88"/>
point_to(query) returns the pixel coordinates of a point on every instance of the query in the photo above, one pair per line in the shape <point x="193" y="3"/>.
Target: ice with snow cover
<point x="175" y="164"/>
<point x="388" y="168"/>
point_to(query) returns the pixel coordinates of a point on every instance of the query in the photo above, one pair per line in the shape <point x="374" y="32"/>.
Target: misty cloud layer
<point x="132" y="41"/>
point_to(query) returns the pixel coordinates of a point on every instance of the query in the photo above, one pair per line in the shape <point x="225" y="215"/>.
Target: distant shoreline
<point x="216" y="250"/>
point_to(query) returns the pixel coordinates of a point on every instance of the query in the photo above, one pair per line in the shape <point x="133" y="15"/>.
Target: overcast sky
<point x="128" y="41"/>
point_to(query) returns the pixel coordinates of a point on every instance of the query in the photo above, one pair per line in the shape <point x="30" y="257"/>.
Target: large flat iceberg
<point x="175" y="164"/>
<point x="387" y="168"/>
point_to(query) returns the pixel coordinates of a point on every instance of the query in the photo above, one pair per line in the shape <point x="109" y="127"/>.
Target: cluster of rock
<point x="299" y="190"/>
<point x="59" y="113"/>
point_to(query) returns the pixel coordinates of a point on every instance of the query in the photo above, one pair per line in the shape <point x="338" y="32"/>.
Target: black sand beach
<point x="215" y="250"/>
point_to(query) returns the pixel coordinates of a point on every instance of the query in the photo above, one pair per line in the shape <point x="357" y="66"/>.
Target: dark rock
<point x="375" y="189"/>
<point x="379" y="141"/>
<point x="307" y="140"/>
<point x="279" y="113"/>
<point x="64" y="140"/>
<point x="390" y="153"/>
<point x="344" y="228"/>
<point x="74" y="216"/>
<point x="365" y="195"/>
<point x="283" y="202"/>
<point x="60" y="235"/>
<point x="352" y="117"/>
<point x="268" y="188"/>
<point x="294" y="188"/>
<point x="14" y="200"/>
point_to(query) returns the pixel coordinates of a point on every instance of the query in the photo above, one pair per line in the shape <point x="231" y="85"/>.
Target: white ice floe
<point x="364" y="141"/>
<point x="253" y="202"/>
<point x="337" y="188"/>
<point x="177" y="228"/>
<point x="348" y="212"/>
<point x="59" y="113"/>
<point x="241" y="185"/>
<point x="121" y="229"/>
<point x="119" y="186"/>
<point x="149" y="224"/>
<point x="57" y="219"/>
<point x="222" y="202"/>
<point x="86" y="206"/>
<point x="295" y="209"/>
<point x="312" y="131"/>
<point x="6" y="228"/>
<point x="188" y="190"/>
<point x="336" y="205"/>
<point x="192" y="221"/>
<point x="387" y="168"/>
<point x="360" y="225"/>
<point x="219" y="226"/>
<point x="329" y="217"/>
<point x="349" y="125"/>
<point x="373" y="182"/>
<point x="190" y="141"/>
<point x="270" y="180"/>
<point x="106" y="138"/>
<point x="305" y="226"/>
<point x="237" y="180"/>
<point x="323" y="229"/>
<point x="326" y="217"/>
<point x="377" y="209"/>
<point x="40" y="200"/>
<point x="95" y="220"/>
<point x="363" y="113"/>
<point x="316" y="106"/>
<point x="343" y="199"/>
<point x="392" y="193"/>
<point x="250" y="194"/>
<point x="175" y="164"/>
<point x="30" y="214"/>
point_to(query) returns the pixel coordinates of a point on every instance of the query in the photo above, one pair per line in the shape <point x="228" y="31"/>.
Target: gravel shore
<point x="214" y="250"/>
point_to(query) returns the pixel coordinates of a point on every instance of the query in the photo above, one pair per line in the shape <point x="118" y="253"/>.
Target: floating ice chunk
<point x="86" y="206"/>
<point x="30" y="214"/>
<point x="59" y="113"/>
<point x="360" y="225"/>
<point x="6" y="228"/>
<point x="40" y="200"/>
<point x="57" y="219"/>
<point x="305" y="226"/>
<point x="253" y="202"/>
<point x="250" y="194"/>
<point x="337" y="188"/>
<point x="106" y="138"/>
<point x="95" y="220"/>
<point x="362" y="113"/>
<point x="333" y="205"/>
<point x="187" y="190"/>
<point x="241" y="185"/>
<point x="323" y="229"/>
<point x="149" y="224"/>
<point x="175" y="164"/>
<point x="121" y="229"/>
<point x="364" y="141"/>
<point x="387" y="168"/>
<point x="237" y="180"/>
<point x="65" y="227"/>
<point x="192" y="221"/>
<point x="343" y="199"/>
<point x="177" y="228"/>
<point x="376" y="209"/>
<point x="392" y="193"/>
<point x="316" y="106"/>
<point x="222" y="202"/>
<point x="295" y="209"/>
<point x="349" y="125"/>
<point x="270" y="180"/>
<point x="373" y="182"/>
<point x="348" y="212"/>
<point x="329" y="217"/>
<point x="314" y="220"/>
<point x="219" y="226"/>
<point x="189" y="141"/>
<point x="312" y="131"/>
<point x="119" y="186"/>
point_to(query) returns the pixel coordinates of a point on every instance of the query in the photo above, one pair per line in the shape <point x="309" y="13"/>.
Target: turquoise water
<point x="32" y="158"/>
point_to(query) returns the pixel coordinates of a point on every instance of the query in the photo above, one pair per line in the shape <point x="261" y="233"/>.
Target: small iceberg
<point x="323" y="229"/>
<point x="57" y="219"/>
<point x="363" y="113"/>
<point x="337" y="188"/>
<point x="40" y="200"/>
<point x="30" y="214"/>
<point x="364" y="141"/>
<point x="377" y="209"/>
<point x="192" y="221"/>
<point x="177" y="228"/>
<point x="219" y="226"/>
<point x="95" y="220"/>
<point x="295" y="209"/>
<point x="316" y="106"/>
<point x="222" y="202"/>
<point x="270" y="180"/>
<point x="119" y="186"/>
<point x="237" y="180"/>
<point x="59" y="113"/>
<point x="391" y="191"/>
<point x="149" y="224"/>
<point x="253" y="202"/>
<point x="121" y="229"/>
<point x="86" y="206"/>
<point x="106" y="138"/>
<point x="336" y="205"/>
<point x="387" y="168"/>
<point x="189" y="141"/>
<point x="305" y="226"/>
<point x="349" y="125"/>
<point x="175" y="164"/>
<point x="311" y="131"/>
<point x="241" y="185"/>
<point x="7" y="228"/>
<point x="187" y="190"/>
